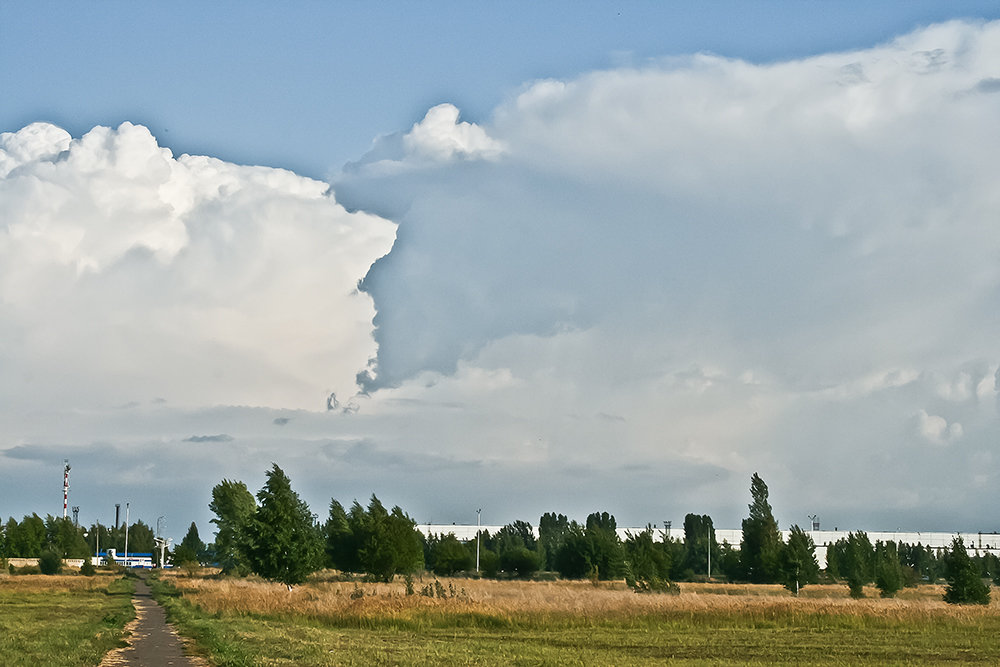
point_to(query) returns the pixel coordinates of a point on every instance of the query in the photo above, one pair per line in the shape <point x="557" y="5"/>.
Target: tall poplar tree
<point x="760" y="548"/>
<point x="234" y="508"/>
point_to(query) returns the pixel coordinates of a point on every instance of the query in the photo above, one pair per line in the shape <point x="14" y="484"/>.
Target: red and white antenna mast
<point x="65" y="488"/>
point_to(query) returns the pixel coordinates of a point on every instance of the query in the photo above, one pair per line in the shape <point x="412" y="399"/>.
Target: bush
<point x="520" y="561"/>
<point x="112" y="566"/>
<point x="50" y="562"/>
<point x="88" y="569"/>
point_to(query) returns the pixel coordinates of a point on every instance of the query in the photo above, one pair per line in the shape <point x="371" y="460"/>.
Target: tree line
<point x="33" y="536"/>
<point x="275" y="536"/>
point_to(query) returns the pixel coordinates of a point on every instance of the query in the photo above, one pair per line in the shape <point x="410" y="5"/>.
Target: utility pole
<point x="479" y="531"/>
<point x="710" y="553"/>
<point x="126" y="535"/>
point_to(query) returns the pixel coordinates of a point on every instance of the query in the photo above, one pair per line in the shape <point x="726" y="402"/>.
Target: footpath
<point x="152" y="642"/>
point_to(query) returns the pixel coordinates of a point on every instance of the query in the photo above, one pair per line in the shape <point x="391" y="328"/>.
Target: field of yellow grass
<point x="561" y="598"/>
<point x="325" y="622"/>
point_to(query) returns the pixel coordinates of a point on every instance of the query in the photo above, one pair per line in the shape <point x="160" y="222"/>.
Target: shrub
<point x="50" y="562"/>
<point x="520" y="561"/>
<point x="88" y="569"/>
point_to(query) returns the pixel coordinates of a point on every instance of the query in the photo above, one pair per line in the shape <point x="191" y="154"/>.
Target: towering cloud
<point x="127" y="274"/>
<point x="708" y="261"/>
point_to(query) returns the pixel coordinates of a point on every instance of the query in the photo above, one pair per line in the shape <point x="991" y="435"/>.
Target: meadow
<point x="61" y="620"/>
<point x="483" y="622"/>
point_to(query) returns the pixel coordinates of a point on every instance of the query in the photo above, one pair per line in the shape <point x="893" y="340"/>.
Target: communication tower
<point x="66" y="489"/>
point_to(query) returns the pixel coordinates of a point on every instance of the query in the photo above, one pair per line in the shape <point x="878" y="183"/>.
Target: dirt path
<point x="152" y="642"/>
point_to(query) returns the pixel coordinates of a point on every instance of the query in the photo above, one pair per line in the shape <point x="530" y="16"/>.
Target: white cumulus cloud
<point x="440" y="136"/>
<point x="936" y="429"/>
<point x="128" y="274"/>
<point x="652" y="233"/>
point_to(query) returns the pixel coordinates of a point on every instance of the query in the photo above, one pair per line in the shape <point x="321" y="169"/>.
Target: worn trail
<point x="152" y="643"/>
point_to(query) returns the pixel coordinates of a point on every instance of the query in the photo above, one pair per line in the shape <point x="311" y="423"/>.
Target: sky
<point x="572" y="257"/>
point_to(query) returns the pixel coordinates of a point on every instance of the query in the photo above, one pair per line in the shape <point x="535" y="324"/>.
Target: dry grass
<point x="510" y="600"/>
<point x="59" y="583"/>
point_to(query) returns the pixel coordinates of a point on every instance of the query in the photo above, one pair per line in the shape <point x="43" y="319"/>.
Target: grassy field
<point x="61" y="620"/>
<point x="245" y="622"/>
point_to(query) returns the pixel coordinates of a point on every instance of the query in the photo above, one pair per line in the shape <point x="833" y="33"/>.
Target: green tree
<point x="729" y="561"/>
<point x="28" y="538"/>
<point x="3" y="539"/>
<point x="647" y="563"/>
<point x="856" y="558"/>
<point x="191" y="547"/>
<point x="234" y="507"/>
<point x="193" y="541"/>
<point x="606" y="552"/>
<point x="388" y="543"/>
<point x="699" y="538"/>
<point x="965" y="583"/>
<point x="50" y="562"/>
<point x="888" y="570"/>
<point x="573" y="559"/>
<point x="522" y="562"/>
<point x="141" y="539"/>
<point x="515" y="535"/>
<point x="798" y="561"/>
<point x="283" y="542"/>
<point x="594" y="549"/>
<point x="341" y="548"/>
<point x="761" y="544"/>
<point x="552" y="529"/>
<point x="98" y="536"/>
<point x="447" y="555"/>
<point x="65" y="538"/>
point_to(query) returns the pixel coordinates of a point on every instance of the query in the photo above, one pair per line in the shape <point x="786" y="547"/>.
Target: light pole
<point x="479" y="513"/>
<point x="159" y="537"/>
<point x="126" y="536"/>
<point x="710" y="553"/>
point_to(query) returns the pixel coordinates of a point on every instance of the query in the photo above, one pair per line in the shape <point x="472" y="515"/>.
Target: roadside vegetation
<point x="62" y="619"/>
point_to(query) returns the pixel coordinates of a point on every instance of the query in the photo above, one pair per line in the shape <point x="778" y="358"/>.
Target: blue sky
<point x="307" y="86"/>
<point x="610" y="257"/>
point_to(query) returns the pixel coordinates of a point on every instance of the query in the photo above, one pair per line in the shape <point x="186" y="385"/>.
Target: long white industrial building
<point x="975" y="543"/>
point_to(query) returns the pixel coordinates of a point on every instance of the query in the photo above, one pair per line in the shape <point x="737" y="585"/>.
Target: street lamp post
<point x="126" y="536"/>
<point x="709" y="553"/>
<point x="479" y="531"/>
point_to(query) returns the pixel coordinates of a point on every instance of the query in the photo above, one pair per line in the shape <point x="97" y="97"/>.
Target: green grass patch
<point x="60" y="621"/>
